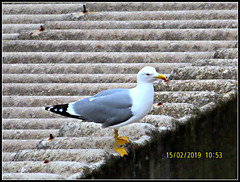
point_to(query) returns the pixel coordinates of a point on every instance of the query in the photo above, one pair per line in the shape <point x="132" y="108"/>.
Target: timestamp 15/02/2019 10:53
<point x="194" y="155"/>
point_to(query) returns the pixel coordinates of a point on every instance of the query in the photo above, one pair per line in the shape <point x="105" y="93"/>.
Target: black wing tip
<point x="62" y="110"/>
<point x="47" y="108"/>
<point x="59" y="109"/>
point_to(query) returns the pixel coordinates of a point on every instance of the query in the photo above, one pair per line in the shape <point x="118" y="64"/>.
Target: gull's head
<point x="148" y="74"/>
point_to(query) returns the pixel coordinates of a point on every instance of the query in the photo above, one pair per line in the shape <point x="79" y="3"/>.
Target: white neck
<point x="143" y="95"/>
<point x="145" y="86"/>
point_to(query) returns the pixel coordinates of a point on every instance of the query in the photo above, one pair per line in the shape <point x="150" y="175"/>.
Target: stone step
<point x="216" y="85"/>
<point x="63" y="168"/>
<point x="155" y="6"/>
<point x="19" y="9"/>
<point x="8" y="156"/>
<point x="16" y="145"/>
<point x="227" y="53"/>
<point x="33" y="19"/>
<point x="73" y="155"/>
<point x="82" y="129"/>
<point x="69" y="78"/>
<point x="215" y="62"/>
<point x="37" y="101"/>
<point x="54" y="89"/>
<point x="28" y="134"/>
<point x="195" y="97"/>
<point x="176" y="110"/>
<point x="198" y="98"/>
<point x="31" y="176"/>
<point x="105" y="143"/>
<point x="89" y="129"/>
<point x="10" y="36"/>
<point x="102" y="57"/>
<point x="39" y="112"/>
<point x="126" y="15"/>
<point x="102" y="142"/>
<point x="17" y="28"/>
<point x="36" y="123"/>
<point x="156" y="15"/>
<point x="56" y="123"/>
<point x="141" y="24"/>
<point x="113" y="6"/>
<point x="60" y="143"/>
<point x="132" y="34"/>
<point x="205" y="72"/>
<point x="88" y="68"/>
<point x="114" y="46"/>
<point x="100" y="78"/>
<point x="28" y="112"/>
<point x="84" y="89"/>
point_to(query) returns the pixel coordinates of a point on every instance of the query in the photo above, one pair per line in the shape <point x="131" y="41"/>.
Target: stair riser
<point x="28" y="134"/>
<point x="69" y="78"/>
<point x="151" y="24"/>
<point x="16" y="145"/>
<point x="33" y="19"/>
<point x="205" y="72"/>
<point x="36" y="123"/>
<point x="74" y="155"/>
<point x="114" y="46"/>
<point x="156" y="6"/>
<point x="30" y="176"/>
<point x="56" y="123"/>
<point x="131" y="34"/>
<point x="17" y="28"/>
<point x="134" y="15"/>
<point x="158" y="15"/>
<point x="110" y="6"/>
<point x="48" y="8"/>
<point x="60" y="89"/>
<point x="88" y="89"/>
<point x="62" y="168"/>
<point x="86" y="68"/>
<point x="197" y="98"/>
<point x="39" y="112"/>
<point x="103" y="57"/>
<point x="8" y="156"/>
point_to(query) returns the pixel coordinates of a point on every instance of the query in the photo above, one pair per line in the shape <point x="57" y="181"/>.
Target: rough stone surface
<point x="136" y="24"/>
<point x="79" y="54"/>
<point x="103" y="57"/>
<point x="113" y="46"/>
<point x="132" y="34"/>
<point x="227" y="53"/>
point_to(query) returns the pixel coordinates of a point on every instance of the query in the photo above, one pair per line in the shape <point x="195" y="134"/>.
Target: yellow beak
<point x="161" y="77"/>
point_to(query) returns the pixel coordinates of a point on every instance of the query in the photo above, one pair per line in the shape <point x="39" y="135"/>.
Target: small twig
<point x="51" y="137"/>
<point x="84" y="9"/>
<point x="41" y="28"/>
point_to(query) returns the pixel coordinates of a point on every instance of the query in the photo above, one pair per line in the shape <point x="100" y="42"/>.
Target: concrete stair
<point x="103" y="57"/>
<point x="133" y="34"/>
<point x="141" y="24"/>
<point x="80" y="54"/>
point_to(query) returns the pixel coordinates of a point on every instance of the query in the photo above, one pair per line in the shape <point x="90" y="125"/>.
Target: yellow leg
<point x="120" y="141"/>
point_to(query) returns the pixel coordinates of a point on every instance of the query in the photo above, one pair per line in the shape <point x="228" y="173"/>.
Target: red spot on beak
<point x="159" y="104"/>
<point x="165" y="80"/>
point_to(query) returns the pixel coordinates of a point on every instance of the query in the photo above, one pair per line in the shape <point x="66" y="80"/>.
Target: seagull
<point x="114" y="108"/>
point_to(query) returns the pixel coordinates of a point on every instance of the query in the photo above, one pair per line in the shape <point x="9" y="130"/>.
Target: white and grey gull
<point x="115" y="107"/>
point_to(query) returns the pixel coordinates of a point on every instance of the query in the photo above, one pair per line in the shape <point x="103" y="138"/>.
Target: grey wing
<point x="109" y="108"/>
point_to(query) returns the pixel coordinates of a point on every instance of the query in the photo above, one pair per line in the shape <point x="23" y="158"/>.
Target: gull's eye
<point x="148" y="74"/>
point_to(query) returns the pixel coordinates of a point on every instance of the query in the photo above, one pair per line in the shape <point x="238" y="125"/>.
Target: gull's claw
<point x="121" y="150"/>
<point x="120" y="141"/>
